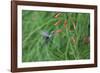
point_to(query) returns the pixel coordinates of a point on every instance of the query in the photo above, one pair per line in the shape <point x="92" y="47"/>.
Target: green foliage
<point x="66" y="45"/>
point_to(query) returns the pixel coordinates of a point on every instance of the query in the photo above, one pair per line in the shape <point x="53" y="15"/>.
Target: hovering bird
<point x="47" y="36"/>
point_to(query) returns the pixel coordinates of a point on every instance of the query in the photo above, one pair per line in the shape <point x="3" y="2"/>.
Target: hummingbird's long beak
<point x="56" y="31"/>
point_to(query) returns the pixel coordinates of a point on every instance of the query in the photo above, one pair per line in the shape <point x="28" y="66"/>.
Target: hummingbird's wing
<point x="46" y="34"/>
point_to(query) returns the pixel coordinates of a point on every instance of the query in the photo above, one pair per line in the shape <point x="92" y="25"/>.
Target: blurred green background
<point x="70" y="44"/>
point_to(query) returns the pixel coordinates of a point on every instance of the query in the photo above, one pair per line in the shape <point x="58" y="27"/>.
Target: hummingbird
<point x="47" y="36"/>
